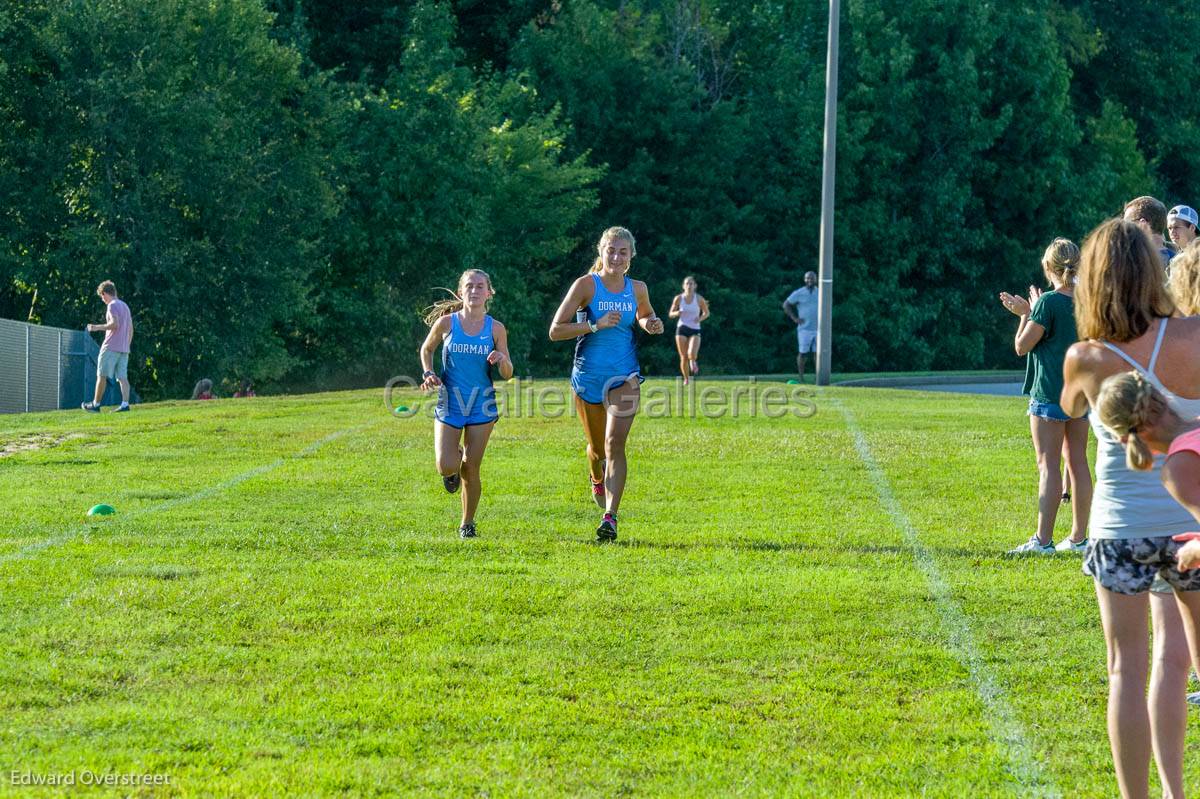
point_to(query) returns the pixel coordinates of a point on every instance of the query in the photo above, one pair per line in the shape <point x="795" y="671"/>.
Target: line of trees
<point x="277" y="186"/>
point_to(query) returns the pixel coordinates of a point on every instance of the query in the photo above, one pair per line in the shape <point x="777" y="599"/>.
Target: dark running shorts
<point x="1129" y="565"/>
<point x="686" y="332"/>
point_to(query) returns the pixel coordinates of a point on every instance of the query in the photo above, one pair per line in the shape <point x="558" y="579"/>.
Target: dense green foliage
<point x="279" y="186"/>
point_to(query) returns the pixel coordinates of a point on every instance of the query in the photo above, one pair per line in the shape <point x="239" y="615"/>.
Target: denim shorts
<point x="113" y="365"/>
<point x="1051" y="411"/>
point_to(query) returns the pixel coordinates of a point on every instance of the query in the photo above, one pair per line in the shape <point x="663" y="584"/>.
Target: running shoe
<point x="1033" y="547"/>
<point x="598" y="494"/>
<point x="1067" y="545"/>
<point x="124" y="408"/>
<point x="1193" y="698"/>
<point x="695" y="368"/>
<point x="467" y="530"/>
<point x="607" y="531"/>
<point x="90" y="407"/>
<point x="1066" y="498"/>
<point x="451" y="482"/>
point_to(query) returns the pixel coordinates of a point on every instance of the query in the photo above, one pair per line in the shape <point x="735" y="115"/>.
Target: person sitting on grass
<point x="203" y="390"/>
<point x="246" y="389"/>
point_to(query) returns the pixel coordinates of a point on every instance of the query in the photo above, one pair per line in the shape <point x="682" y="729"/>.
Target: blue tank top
<point x="1129" y="504"/>
<point x="610" y="351"/>
<point x="466" y="374"/>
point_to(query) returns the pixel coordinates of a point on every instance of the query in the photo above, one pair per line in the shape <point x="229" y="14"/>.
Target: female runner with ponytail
<point x="472" y="343"/>
<point x="606" y="376"/>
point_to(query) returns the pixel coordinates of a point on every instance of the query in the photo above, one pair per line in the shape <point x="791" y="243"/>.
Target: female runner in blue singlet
<point x="606" y="376"/>
<point x="472" y="343"/>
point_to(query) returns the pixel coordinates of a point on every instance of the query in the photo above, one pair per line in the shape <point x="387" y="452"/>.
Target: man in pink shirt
<point x="114" y="352"/>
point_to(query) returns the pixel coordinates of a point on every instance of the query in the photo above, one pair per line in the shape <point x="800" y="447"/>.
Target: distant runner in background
<point x="690" y="309"/>
<point x="801" y="307"/>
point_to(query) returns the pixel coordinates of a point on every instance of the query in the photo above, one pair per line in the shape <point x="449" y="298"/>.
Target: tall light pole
<point x="825" y="289"/>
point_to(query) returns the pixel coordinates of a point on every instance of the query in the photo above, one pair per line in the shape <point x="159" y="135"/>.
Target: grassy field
<point x="801" y="606"/>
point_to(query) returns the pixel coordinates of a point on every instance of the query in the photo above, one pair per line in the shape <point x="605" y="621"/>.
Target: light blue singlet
<point x="466" y="396"/>
<point x="606" y="358"/>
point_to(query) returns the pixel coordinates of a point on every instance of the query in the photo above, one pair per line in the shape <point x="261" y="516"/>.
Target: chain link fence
<point x="47" y="368"/>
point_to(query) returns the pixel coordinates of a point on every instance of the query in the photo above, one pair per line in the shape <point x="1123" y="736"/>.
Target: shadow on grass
<point x="747" y="545"/>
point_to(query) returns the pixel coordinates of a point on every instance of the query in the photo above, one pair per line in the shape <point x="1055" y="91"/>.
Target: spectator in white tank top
<point x="690" y="309"/>
<point x="1123" y="315"/>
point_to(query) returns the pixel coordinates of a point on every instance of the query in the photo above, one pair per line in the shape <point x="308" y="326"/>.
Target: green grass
<point x="316" y="627"/>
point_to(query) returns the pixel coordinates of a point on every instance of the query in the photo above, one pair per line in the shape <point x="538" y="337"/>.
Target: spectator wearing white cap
<point x="1181" y="225"/>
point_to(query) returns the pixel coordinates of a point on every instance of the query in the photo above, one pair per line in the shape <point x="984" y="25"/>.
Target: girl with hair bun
<point x="599" y="312"/>
<point x="1140" y="415"/>
<point x="472" y="344"/>
<point x="1045" y="331"/>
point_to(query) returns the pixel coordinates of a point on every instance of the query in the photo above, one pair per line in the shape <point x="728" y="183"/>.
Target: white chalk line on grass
<point x="1006" y="729"/>
<point x="204" y="493"/>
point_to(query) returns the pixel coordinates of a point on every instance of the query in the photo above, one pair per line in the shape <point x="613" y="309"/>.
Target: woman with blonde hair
<point x="1185" y="280"/>
<point x="606" y="376"/>
<point x="1123" y="315"/>
<point x="1045" y="330"/>
<point x="1136" y="411"/>
<point x="472" y="344"/>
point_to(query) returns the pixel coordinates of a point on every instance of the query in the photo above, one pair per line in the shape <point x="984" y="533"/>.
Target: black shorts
<point x="686" y="332"/>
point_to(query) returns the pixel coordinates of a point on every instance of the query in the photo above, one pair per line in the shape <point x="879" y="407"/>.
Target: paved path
<point x="1003" y="389"/>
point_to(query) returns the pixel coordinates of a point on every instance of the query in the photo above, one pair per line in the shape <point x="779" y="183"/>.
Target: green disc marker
<point x="401" y="409"/>
<point x="793" y="382"/>
<point x="102" y="510"/>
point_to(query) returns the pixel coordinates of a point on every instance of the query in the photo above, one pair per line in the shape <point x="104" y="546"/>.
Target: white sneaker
<point x="1033" y="547"/>
<point x="1067" y="545"/>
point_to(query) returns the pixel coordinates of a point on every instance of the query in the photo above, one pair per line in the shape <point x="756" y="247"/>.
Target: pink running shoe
<point x="598" y="494"/>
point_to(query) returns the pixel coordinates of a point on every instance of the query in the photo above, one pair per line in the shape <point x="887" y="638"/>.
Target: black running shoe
<point x="607" y="531"/>
<point x="1066" y="498"/>
<point x="452" y="482"/>
<point x="467" y="530"/>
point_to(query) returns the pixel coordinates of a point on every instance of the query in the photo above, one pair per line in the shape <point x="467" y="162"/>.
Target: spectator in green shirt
<point x="1044" y="334"/>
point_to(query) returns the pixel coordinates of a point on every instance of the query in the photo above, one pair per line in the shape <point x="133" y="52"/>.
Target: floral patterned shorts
<point x="1129" y="565"/>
